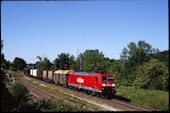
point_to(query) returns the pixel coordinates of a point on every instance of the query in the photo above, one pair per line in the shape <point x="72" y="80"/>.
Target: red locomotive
<point x="95" y="83"/>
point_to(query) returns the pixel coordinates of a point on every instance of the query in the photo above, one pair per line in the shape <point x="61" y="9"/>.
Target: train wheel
<point x="87" y="92"/>
<point x="94" y="93"/>
<point x="98" y="95"/>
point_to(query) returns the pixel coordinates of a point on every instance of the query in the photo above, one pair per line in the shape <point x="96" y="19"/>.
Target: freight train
<point x="94" y="83"/>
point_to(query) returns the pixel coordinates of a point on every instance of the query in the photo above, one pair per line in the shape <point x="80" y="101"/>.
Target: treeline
<point x="141" y="65"/>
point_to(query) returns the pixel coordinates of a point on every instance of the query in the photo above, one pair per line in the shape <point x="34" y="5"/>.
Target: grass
<point x="80" y="104"/>
<point x="150" y="98"/>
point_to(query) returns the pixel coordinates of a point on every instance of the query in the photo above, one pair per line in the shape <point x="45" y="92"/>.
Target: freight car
<point x="33" y="72"/>
<point x="50" y="77"/>
<point x="45" y="75"/>
<point x="39" y="73"/>
<point x="95" y="83"/>
<point x="61" y="77"/>
<point x="26" y="71"/>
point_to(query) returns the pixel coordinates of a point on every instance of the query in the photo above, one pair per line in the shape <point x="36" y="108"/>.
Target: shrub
<point x="18" y="91"/>
<point x="152" y="75"/>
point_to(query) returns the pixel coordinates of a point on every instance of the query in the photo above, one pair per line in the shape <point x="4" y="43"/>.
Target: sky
<point x="48" y="28"/>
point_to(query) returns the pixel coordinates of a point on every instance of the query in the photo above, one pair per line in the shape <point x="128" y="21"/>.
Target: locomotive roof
<point x="83" y="73"/>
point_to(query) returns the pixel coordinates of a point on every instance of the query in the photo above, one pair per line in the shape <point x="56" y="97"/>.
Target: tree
<point x="162" y="56"/>
<point x="45" y="64"/>
<point x="152" y="75"/>
<point x="19" y="63"/>
<point x="64" y="61"/>
<point x="90" y="59"/>
<point x="39" y="58"/>
<point x="134" y="56"/>
<point x="127" y="53"/>
<point x="90" y="53"/>
<point x="72" y="63"/>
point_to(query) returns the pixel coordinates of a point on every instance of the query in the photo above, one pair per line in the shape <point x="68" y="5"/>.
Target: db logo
<point x="80" y="80"/>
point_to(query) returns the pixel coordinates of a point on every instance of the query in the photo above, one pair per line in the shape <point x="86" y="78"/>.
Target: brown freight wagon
<point x="45" y="75"/>
<point x="40" y="73"/>
<point x="26" y="71"/>
<point x="61" y="76"/>
<point x="50" y="75"/>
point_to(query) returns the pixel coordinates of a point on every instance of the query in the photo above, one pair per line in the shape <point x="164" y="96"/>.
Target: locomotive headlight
<point x="103" y="84"/>
<point x="113" y="85"/>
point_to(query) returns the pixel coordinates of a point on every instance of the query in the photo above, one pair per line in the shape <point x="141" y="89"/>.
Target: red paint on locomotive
<point x="95" y="82"/>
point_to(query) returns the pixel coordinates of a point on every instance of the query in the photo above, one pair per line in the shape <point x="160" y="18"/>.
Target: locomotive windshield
<point x="107" y="79"/>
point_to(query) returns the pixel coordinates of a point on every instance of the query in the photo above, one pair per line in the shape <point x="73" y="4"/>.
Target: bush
<point x="18" y="91"/>
<point x="152" y="75"/>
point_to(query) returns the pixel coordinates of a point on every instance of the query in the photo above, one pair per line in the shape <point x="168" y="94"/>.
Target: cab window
<point x="107" y="79"/>
<point x="104" y="79"/>
<point x="110" y="79"/>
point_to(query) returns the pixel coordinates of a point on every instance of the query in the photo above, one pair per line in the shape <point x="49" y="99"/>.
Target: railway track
<point x="119" y="104"/>
<point x="35" y="90"/>
<point x="46" y="95"/>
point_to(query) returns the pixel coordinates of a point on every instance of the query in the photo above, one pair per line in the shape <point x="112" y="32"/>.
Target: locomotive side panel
<point x="84" y="82"/>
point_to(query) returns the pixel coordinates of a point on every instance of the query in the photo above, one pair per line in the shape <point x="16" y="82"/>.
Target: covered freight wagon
<point x="39" y="73"/>
<point x="26" y="71"/>
<point x="50" y="75"/>
<point x="45" y="74"/>
<point x="61" y="76"/>
<point x="33" y="72"/>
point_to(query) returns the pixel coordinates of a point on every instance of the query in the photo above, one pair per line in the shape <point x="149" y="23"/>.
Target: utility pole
<point x="80" y="59"/>
<point x="80" y="63"/>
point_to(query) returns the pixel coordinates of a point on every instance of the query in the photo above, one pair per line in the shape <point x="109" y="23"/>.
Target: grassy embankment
<point x="80" y="104"/>
<point x="33" y="105"/>
<point x="150" y="98"/>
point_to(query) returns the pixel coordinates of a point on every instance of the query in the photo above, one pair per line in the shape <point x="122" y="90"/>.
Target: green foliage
<point x="117" y="69"/>
<point x="19" y="63"/>
<point x="64" y="61"/>
<point x="56" y="106"/>
<point x="135" y="55"/>
<point x="92" y="60"/>
<point x="95" y="63"/>
<point x="152" y="75"/>
<point x="162" y="56"/>
<point x="18" y="91"/>
<point x="127" y="53"/>
<point x="45" y="64"/>
<point x="91" y="53"/>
